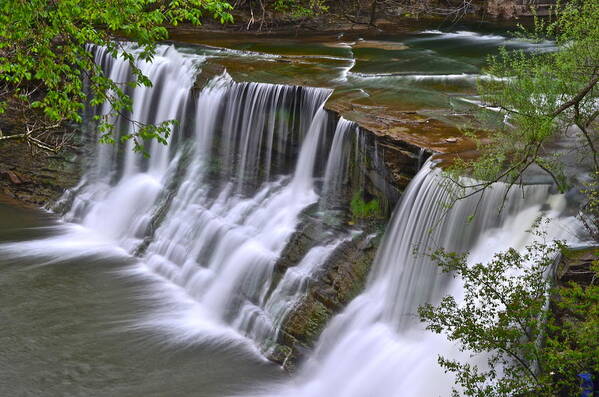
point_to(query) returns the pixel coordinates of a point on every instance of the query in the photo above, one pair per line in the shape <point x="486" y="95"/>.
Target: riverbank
<point x="264" y="17"/>
<point x="35" y="178"/>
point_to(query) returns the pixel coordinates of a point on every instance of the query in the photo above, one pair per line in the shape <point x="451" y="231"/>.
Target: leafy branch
<point x="47" y="69"/>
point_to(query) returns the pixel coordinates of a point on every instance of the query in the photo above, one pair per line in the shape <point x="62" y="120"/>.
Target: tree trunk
<point x="373" y="12"/>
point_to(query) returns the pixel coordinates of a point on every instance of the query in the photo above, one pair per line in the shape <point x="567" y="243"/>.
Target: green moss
<point x="308" y="320"/>
<point x="214" y="166"/>
<point x="360" y="209"/>
<point x="573" y="253"/>
<point x="316" y="320"/>
<point x="299" y="8"/>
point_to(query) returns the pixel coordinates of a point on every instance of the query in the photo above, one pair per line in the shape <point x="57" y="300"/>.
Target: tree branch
<point x="577" y="98"/>
<point x="11" y="137"/>
<point x="583" y="129"/>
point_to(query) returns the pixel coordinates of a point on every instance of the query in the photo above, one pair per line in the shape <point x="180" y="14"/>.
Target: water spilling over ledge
<point x="215" y="212"/>
<point x="377" y="346"/>
<point x="249" y="228"/>
<point x="245" y="205"/>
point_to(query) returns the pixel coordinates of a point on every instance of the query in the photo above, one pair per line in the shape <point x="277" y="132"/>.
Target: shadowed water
<point x="67" y="325"/>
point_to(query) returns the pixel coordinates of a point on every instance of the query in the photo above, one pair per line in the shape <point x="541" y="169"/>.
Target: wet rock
<point x="208" y="72"/>
<point x="575" y="266"/>
<point x="37" y="179"/>
<point x="380" y="167"/>
<point x="308" y="320"/>
<point x="14" y="178"/>
<point x="282" y="354"/>
<point x="341" y="278"/>
<point x="381" y="45"/>
<point x="309" y="233"/>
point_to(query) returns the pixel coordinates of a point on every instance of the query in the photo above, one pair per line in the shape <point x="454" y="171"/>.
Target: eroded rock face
<point x="575" y="266"/>
<point x="36" y="178"/>
<point x="337" y="282"/>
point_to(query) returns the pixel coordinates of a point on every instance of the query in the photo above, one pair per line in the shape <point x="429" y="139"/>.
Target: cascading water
<point x="266" y="324"/>
<point x="212" y="212"/>
<point x="207" y="220"/>
<point x="376" y="347"/>
<point x="337" y="167"/>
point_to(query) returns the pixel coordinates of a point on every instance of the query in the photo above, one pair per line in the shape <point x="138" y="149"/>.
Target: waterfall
<point x="336" y="170"/>
<point x="377" y="347"/>
<point x="209" y="214"/>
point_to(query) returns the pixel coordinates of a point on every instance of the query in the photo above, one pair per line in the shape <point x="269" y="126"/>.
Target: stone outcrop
<point x="575" y="266"/>
<point x="341" y="278"/>
<point x="37" y="178"/>
<point x="380" y="171"/>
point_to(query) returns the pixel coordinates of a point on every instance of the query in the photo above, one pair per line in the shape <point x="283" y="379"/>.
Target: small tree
<point x="503" y="317"/>
<point x="539" y="98"/>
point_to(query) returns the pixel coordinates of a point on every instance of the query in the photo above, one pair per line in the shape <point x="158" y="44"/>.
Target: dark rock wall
<point x="34" y="177"/>
<point x="342" y="278"/>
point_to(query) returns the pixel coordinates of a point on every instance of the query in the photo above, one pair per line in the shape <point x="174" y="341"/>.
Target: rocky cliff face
<point x="379" y="169"/>
<point x="378" y="173"/>
<point x="341" y="278"/>
<point x="34" y="177"/>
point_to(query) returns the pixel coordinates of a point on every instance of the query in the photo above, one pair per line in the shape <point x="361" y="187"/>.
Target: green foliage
<point x="504" y="318"/>
<point x="44" y="61"/>
<point x="590" y="212"/>
<point x="299" y="8"/>
<point x="501" y="316"/>
<point x="572" y="345"/>
<point x="542" y="96"/>
<point x="361" y="209"/>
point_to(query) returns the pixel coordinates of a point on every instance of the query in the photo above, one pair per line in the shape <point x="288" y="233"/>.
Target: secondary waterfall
<point x="210" y="213"/>
<point x="337" y="166"/>
<point x="377" y="347"/>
